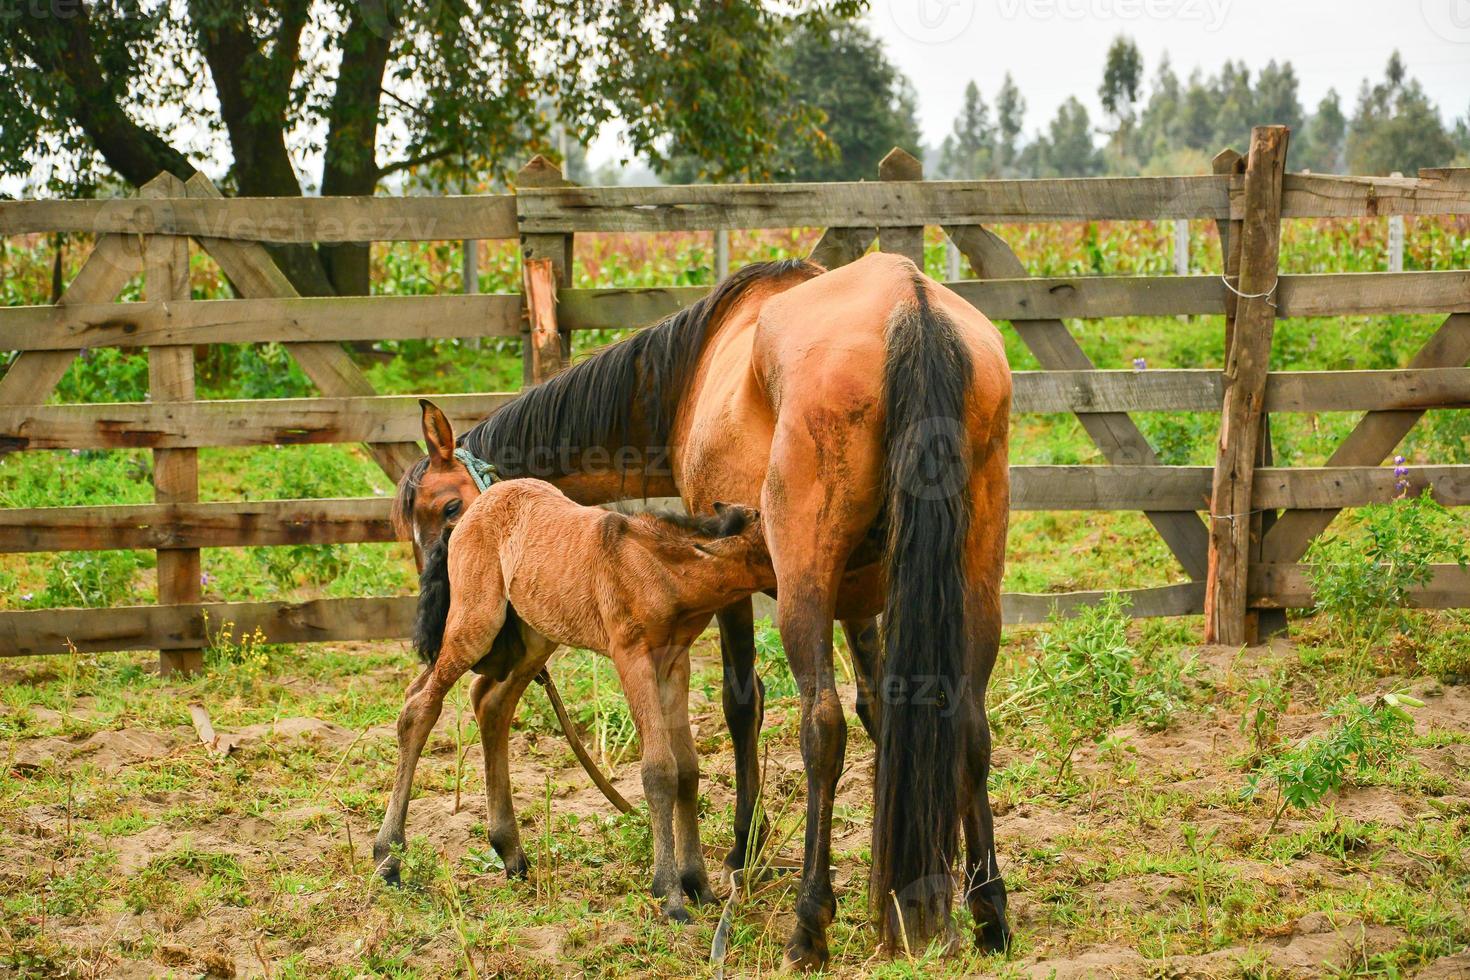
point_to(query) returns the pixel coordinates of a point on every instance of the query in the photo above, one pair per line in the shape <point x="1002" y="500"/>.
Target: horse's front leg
<point x="421" y="710"/>
<point x="469" y="632"/>
<point x="744" y="703"/>
<point x="867" y="655"/>
<point x="636" y="670"/>
<point x="495" y="704"/>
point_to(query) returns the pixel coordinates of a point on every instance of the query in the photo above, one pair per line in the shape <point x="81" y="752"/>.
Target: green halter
<point x="481" y="472"/>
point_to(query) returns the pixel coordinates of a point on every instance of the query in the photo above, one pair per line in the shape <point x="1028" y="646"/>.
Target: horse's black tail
<point x="433" y="610"/>
<point x="927" y="481"/>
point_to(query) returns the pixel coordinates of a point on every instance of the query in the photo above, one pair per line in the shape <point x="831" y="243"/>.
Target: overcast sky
<point x="1056" y="48"/>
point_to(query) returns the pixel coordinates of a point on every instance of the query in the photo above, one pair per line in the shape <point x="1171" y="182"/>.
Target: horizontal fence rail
<point x="135" y="235"/>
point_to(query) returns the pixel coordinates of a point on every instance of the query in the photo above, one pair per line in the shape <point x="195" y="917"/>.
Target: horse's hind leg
<point x="495" y="707"/>
<point x="466" y="637"/>
<point x="744" y="697"/>
<point x="637" y="672"/>
<point x="985" y="892"/>
<point x="674" y="690"/>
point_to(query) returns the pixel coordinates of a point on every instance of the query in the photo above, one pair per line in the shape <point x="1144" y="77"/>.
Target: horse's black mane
<point x="598" y="402"/>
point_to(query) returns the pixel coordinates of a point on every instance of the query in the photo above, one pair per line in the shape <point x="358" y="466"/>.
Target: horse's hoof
<point x="677" y="915"/>
<point x="389" y="874"/>
<point x="698" y="889"/>
<point x="517" y="868"/>
<point x="805" y="952"/>
<point x="993" y="937"/>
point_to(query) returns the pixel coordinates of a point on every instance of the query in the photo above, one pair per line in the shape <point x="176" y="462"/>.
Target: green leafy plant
<point x="1088" y="678"/>
<point x="1265" y="700"/>
<point x="91" y="578"/>
<point x="1364" y="736"/>
<point x="1361" y="583"/>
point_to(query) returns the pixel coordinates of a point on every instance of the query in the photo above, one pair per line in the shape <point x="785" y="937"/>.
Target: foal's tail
<point x="433" y="611"/>
<point x="927" y="481"/>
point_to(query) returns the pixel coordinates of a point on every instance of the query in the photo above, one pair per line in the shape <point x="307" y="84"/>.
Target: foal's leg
<point x="867" y="654"/>
<point x="470" y="631"/>
<point x="744" y="697"/>
<point x="637" y="672"/>
<point x="495" y="708"/>
<point x="674" y="691"/>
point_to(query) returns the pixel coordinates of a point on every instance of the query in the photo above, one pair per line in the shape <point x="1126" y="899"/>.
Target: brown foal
<point x="525" y="569"/>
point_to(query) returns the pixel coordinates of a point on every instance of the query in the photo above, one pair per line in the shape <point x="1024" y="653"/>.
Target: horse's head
<point x="435" y="490"/>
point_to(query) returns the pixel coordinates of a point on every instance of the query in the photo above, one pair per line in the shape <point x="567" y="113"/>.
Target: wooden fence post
<point x="544" y="354"/>
<point x="171" y="379"/>
<point x="1247" y="362"/>
<point x="900" y="164"/>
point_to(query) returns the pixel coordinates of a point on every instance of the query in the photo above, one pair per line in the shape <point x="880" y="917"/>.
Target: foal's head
<point x="435" y="490"/>
<point x="724" y="550"/>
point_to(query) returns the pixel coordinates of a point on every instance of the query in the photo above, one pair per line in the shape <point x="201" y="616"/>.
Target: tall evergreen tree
<point x="1070" y="151"/>
<point x="1322" y="150"/>
<point x="1396" y="128"/>
<point x="969" y="150"/>
<point x="1010" y="117"/>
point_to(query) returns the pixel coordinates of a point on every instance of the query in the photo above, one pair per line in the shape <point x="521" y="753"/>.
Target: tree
<point x="860" y="105"/>
<point x="1010" y="117"/>
<point x="382" y="87"/>
<point x="1068" y="150"/>
<point x="969" y="151"/>
<point x="1396" y="128"/>
<point x="1322" y="150"/>
<point x="1121" y="85"/>
<point x="1276" y="101"/>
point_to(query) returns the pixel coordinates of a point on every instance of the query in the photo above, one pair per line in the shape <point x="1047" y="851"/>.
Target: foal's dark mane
<point x="628" y="390"/>
<point x="706" y="526"/>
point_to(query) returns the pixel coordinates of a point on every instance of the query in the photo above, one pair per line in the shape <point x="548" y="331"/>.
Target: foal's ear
<point x="734" y="518"/>
<point x="438" y="433"/>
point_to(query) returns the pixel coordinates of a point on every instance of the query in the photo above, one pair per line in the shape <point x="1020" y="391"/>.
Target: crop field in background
<point x="1162" y="808"/>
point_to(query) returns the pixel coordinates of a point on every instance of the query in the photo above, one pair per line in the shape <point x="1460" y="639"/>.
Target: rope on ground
<point x="578" y="749"/>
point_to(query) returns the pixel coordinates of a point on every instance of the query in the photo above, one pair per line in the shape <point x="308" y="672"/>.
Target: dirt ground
<point x="129" y="851"/>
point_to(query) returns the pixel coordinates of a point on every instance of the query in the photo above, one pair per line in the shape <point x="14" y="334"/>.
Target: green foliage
<point x="771" y="662"/>
<point x="91" y="578"/>
<point x="1361" y="581"/>
<point x="1266" y="698"/>
<point x="1088" y="678"/>
<point x="1363" y="737"/>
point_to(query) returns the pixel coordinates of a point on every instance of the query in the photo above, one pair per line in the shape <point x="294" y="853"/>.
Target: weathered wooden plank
<point x="274" y="219"/>
<point x="548" y="346"/>
<point x="1113" y="432"/>
<point x="1324" y="487"/>
<point x="176" y="627"/>
<point x="876" y="204"/>
<point x="1201" y="390"/>
<point x="171" y="379"/>
<point x="1246" y="369"/>
<point x="1183" y="599"/>
<point x="1439" y="191"/>
<point x="1277" y="586"/>
<point x="905" y="240"/>
<point x="255" y="275"/>
<point x="1060" y="297"/>
<point x="246" y="321"/>
<point x="228" y="524"/>
<point x="839" y="246"/>
<point x="1370" y="442"/>
<point x="232" y="422"/>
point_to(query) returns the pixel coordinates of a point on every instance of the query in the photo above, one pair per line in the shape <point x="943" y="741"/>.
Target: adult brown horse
<point x="865" y="411"/>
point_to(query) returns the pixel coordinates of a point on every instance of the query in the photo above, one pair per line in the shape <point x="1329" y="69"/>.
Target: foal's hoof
<point x="805" y="952"/>
<point x="676" y="915"/>
<point x="387" y="865"/>
<point x="993" y="937"/>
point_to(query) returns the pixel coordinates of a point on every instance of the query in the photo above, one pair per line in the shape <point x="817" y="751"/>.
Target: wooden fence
<point x="1238" y="530"/>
